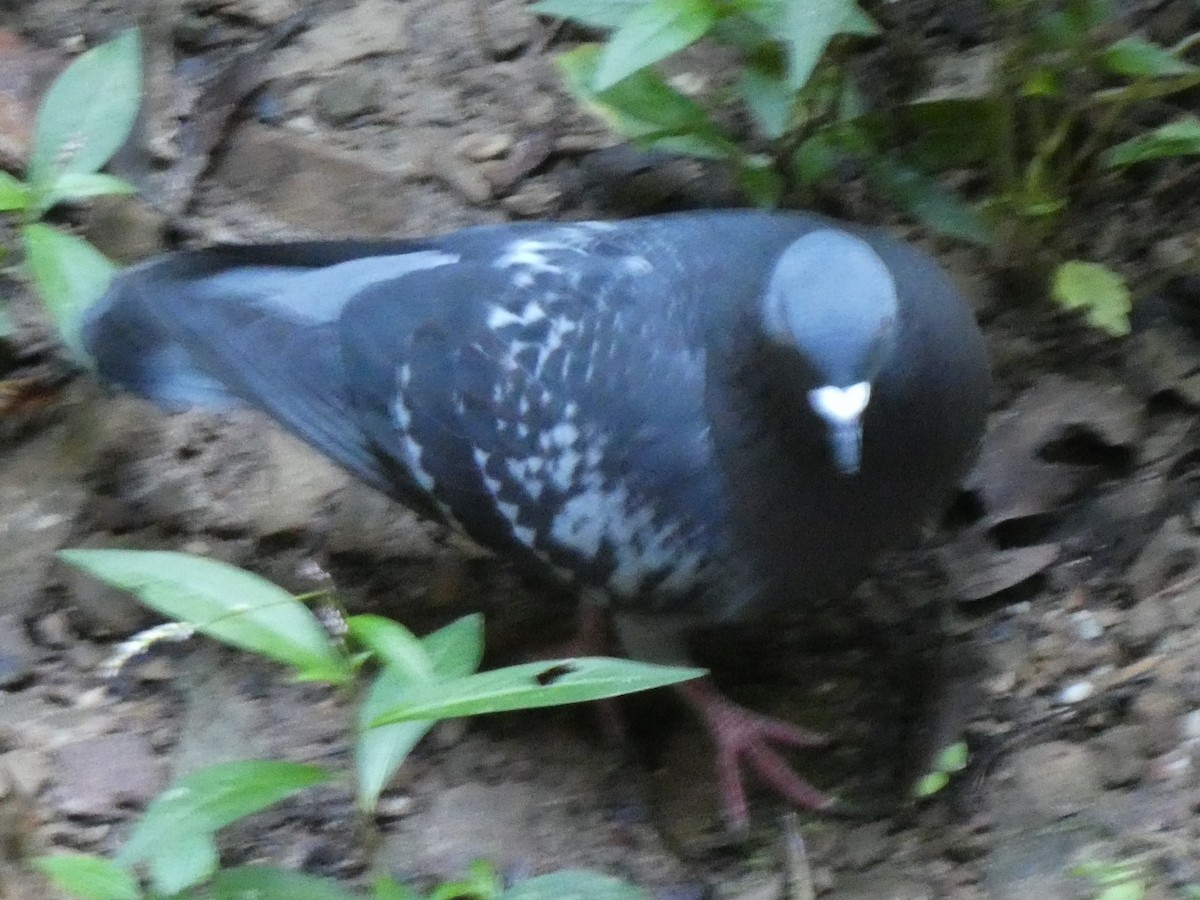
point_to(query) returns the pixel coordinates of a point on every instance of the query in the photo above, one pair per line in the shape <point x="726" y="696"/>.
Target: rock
<point x="1058" y="778"/>
<point x="1158" y="712"/>
<point x="301" y="484"/>
<point x="365" y="522"/>
<point x="304" y="182"/>
<point x="41" y="494"/>
<point x="473" y="821"/>
<point x="17" y="653"/>
<point x="347" y="95"/>
<point x="1118" y="753"/>
<point x="220" y="724"/>
<point x="260" y="12"/>
<point x="1145" y="623"/>
<point x="97" y="775"/>
<point x="482" y="147"/>
<point x="28" y="769"/>
<point x="508" y="26"/>
<point x="126" y="229"/>
<point x="366" y="28"/>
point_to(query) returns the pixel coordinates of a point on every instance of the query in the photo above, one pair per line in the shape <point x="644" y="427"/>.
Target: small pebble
<point x="1087" y="626"/>
<point x="1076" y="692"/>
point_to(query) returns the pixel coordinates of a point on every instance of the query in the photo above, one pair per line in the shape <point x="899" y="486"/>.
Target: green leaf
<point x="14" y="193"/>
<point x="645" y="109"/>
<point x="953" y="758"/>
<point x="928" y="201"/>
<point x="574" y="884"/>
<point x="652" y="33"/>
<point x="1178" y="138"/>
<point x="930" y="784"/>
<point x="1097" y="290"/>
<point x="392" y="644"/>
<point x="456" y="649"/>
<point x="388" y="888"/>
<point x="74" y="186"/>
<point x="807" y="26"/>
<point x="270" y="883"/>
<point x="605" y="14"/>
<point x="69" y="275"/>
<point x="175" y="836"/>
<point x="482" y="883"/>
<point x="1136" y="57"/>
<point x="768" y="97"/>
<point x="223" y="602"/>
<point x="90" y="877"/>
<point x="451" y="652"/>
<point x="88" y="111"/>
<point x="530" y="686"/>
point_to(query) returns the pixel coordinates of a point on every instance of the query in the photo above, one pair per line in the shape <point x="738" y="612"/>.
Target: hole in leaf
<point x="552" y="674"/>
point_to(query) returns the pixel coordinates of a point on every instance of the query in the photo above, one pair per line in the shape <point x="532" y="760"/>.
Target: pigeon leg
<point x="744" y="737"/>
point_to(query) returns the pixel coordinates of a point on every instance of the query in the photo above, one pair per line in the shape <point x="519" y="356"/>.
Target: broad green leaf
<point x="1097" y="290"/>
<point x="645" y="109"/>
<point x="1178" y="138"/>
<point x="452" y="652"/>
<point x="928" y="201"/>
<point x="929" y="784"/>
<point x="72" y="186"/>
<point x="768" y="97"/>
<point x="388" y="888"/>
<point x="606" y="14"/>
<point x="188" y="861"/>
<point x="88" y="111"/>
<point x="270" y="883"/>
<point x="224" y="602"/>
<point x="14" y="193"/>
<point x="807" y="26"/>
<point x="175" y="836"/>
<point x="481" y="883"/>
<point x="953" y="758"/>
<point x="392" y="644"/>
<point x="654" y="32"/>
<point x="456" y="649"/>
<point x="69" y="275"/>
<point x="1137" y="57"/>
<point x="530" y="686"/>
<point x="90" y="877"/>
<point x="574" y="884"/>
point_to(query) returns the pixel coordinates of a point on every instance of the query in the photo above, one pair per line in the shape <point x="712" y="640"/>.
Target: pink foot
<point x="745" y="737"/>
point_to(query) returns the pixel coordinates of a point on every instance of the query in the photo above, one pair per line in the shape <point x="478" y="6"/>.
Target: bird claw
<point x="745" y="738"/>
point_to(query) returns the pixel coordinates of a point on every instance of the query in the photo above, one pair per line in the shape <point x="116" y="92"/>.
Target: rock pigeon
<point x="688" y="419"/>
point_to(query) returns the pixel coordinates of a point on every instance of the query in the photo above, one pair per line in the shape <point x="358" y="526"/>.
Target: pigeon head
<point x="830" y="310"/>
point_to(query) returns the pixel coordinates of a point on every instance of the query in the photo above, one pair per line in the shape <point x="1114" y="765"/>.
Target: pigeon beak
<point x="842" y="410"/>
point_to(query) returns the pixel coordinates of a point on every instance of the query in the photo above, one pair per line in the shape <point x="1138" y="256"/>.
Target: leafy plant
<point x="805" y="114"/>
<point x="410" y="684"/>
<point x="1053" y="121"/>
<point x="1115" y="880"/>
<point x="950" y="761"/>
<point x="82" y="121"/>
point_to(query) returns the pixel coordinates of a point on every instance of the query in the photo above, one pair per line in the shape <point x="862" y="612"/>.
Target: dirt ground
<point x="1054" y="621"/>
